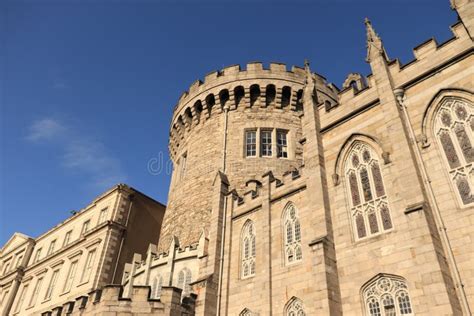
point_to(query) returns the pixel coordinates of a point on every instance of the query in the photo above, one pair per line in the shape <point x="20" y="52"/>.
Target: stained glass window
<point x="371" y="216"/>
<point x="387" y="296"/>
<point x="292" y="233"/>
<point x="374" y="307"/>
<point x="464" y="189"/>
<point x="374" y="226"/>
<point x="248" y="250"/>
<point x="404" y="303"/>
<point x="454" y="129"/>
<point x="385" y="215"/>
<point x="364" y="178"/>
<point x="464" y="142"/>
<point x="379" y="189"/>
<point x="361" y="233"/>
<point x="354" y="189"/>
<point x="449" y="150"/>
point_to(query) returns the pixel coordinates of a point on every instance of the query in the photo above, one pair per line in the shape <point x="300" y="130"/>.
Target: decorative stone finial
<point x="374" y="43"/>
<point x="306" y="63"/>
<point x="309" y="87"/>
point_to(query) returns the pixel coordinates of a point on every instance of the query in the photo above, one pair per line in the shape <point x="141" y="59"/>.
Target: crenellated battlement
<point x="429" y="55"/>
<point x="110" y="300"/>
<point x="233" y="88"/>
<point x="251" y="198"/>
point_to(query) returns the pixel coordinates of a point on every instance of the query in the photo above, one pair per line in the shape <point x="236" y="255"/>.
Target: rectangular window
<point x="52" y="245"/>
<point x="36" y="291"/>
<point x="67" y="238"/>
<point x="38" y="255"/>
<point x="7" y="267"/>
<point x="103" y="216"/>
<point x="85" y="226"/>
<point x="4" y="297"/>
<point x="21" y="299"/>
<point x="282" y="144"/>
<point x="88" y="267"/>
<point x="18" y="261"/>
<point x="70" y="276"/>
<point x="182" y="166"/>
<point x="266" y="143"/>
<point x="52" y="284"/>
<point x="251" y="143"/>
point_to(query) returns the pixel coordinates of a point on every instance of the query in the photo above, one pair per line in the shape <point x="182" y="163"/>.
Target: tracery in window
<point x="292" y="235"/>
<point x="156" y="286"/>
<point x="184" y="280"/>
<point x="294" y="308"/>
<point x="370" y="215"/>
<point x="248" y="250"/>
<point x="453" y="128"/>
<point x="387" y="296"/>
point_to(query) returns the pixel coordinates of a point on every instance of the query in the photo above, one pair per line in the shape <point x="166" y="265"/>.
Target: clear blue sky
<point x="87" y="87"/>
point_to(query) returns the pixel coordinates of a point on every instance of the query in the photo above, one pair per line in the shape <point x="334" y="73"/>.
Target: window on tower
<point x="266" y="142"/>
<point x="282" y="145"/>
<point x="251" y="143"/>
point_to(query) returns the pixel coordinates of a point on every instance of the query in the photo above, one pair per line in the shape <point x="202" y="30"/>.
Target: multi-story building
<point x="14" y="257"/>
<point x="83" y="253"/>
<point x="291" y="197"/>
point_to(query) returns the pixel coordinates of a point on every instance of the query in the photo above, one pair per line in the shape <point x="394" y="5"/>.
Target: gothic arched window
<point x="156" y="287"/>
<point x="453" y="127"/>
<point x="387" y="296"/>
<point x="292" y="234"/>
<point x="248" y="247"/>
<point x="294" y="308"/>
<point x="184" y="280"/>
<point x="370" y="210"/>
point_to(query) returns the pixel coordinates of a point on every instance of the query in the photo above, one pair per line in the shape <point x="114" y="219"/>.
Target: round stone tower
<point x="240" y="122"/>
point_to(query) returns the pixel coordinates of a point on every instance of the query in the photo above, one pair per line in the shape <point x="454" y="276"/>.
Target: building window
<point x="18" y="261"/>
<point x="294" y="308"/>
<point x="52" y="245"/>
<point x="67" y="238"/>
<point x="52" y="284"/>
<point x="7" y="267"/>
<point x="387" y="296"/>
<point x="156" y="287"/>
<point x="37" y="255"/>
<point x="282" y="144"/>
<point x="103" y="215"/>
<point x="454" y="125"/>
<point x="182" y="166"/>
<point x="266" y="143"/>
<point x="251" y="143"/>
<point x="370" y="210"/>
<point x="184" y="280"/>
<point x="70" y="276"/>
<point x="21" y="299"/>
<point x="292" y="234"/>
<point x="36" y="291"/>
<point x="248" y="247"/>
<point x="88" y="266"/>
<point x="86" y="226"/>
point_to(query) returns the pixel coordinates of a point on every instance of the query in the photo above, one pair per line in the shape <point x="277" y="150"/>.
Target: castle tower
<point x="240" y="122"/>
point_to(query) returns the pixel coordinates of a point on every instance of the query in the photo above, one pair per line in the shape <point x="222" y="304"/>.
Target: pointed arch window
<point x="453" y="126"/>
<point x="184" y="280"/>
<point x="248" y="250"/>
<point x="156" y="286"/>
<point x="367" y="196"/>
<point x="387" y="296"/>
<point x="294" y="308"/>
<point x="292" y="234"/>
